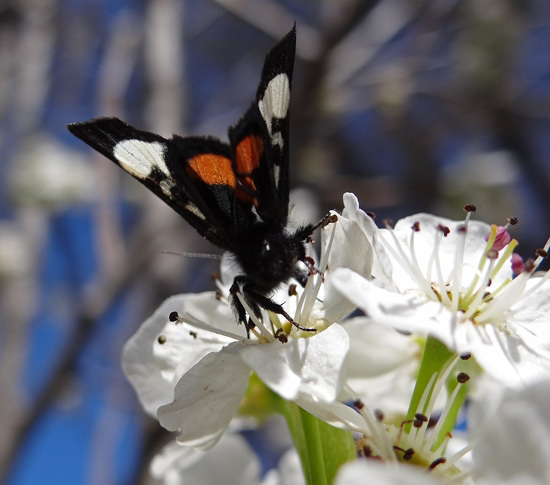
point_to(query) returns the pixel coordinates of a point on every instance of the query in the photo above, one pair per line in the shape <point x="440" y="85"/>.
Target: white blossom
<point x="444" y="279"/>
<point x="192" y="372"/>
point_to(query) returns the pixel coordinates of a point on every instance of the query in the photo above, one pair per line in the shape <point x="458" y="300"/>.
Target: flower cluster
<point x="410" y="321"/>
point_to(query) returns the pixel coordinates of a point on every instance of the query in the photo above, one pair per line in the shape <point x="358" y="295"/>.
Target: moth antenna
<point x="194" y="255"/>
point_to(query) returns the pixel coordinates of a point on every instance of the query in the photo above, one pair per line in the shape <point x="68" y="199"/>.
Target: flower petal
<point x="152" y="368"/>
<point x="404" y="312"/>
<point x="206" y="398"/>
<point x="231" y="461"/>
<point x="514" y="442"/>
<point x="303" y="365"/>
<point x="351" y="248"/>
<point x="360" y="472"/>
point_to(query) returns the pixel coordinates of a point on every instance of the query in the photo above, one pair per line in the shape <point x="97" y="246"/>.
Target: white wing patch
<point x="274" y="104"/>
<point x="277" y="174"/>
<point x="166" y="187"/>
<point x="139" y="158"/>
<point x="195" y="210"/>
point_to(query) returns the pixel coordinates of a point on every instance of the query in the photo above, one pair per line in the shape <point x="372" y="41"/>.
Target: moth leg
<point x="239" y="286"/>
<point x="269" y="305"/>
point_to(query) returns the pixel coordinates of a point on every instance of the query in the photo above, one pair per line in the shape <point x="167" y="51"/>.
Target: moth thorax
<point x="268" y="257"/>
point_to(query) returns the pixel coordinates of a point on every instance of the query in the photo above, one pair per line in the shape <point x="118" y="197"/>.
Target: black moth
<point x="236" y="195"/>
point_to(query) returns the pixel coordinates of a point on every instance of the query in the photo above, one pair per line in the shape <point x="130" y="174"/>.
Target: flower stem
<point x="435" y="356"/>
<point x="322" y="448"/>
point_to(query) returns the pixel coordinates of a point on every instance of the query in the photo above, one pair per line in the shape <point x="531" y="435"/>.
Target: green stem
<point x="322" y="448"/>
<point x="435" y="356"/>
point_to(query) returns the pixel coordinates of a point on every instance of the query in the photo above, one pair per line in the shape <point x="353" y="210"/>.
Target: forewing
<point x="171" y="169"/>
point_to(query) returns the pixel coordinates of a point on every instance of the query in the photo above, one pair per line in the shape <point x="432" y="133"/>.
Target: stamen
<point x="457" y="270"/>
<point x="416" y="228"/>
<point x="504" y="257"/>
<point x="379" y="435"/>
<point x="437" y="429"/>
<point x="194" y="322"/>
<point x="490" y="240"/>
<point x="405" y="263"/>
<point x="472" y="306"/>
<point x="440" y="281"/>
<point x="413" y="433"/>
<point x="451" y="460"/>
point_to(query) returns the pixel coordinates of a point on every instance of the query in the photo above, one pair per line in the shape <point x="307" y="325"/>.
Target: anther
<point x="541" y="252"/>
<point x="372" y="215"/>
<point x="281" y="336"/>
<point x="359" y="404"/>
<point x="408" y="454"/>
<point x="470" y="208"/>
<point x="465" y="355"/>
<point x="444" y="229"/>
<point x="292" y="290"/>
<point x="419" y="420"/>
<point x="161" y="340"/>
<point x="462" y="377"/>
<point x="379" y="415"/>
<point x="388" y="223"/>
<point x="416" y="226"/>
<point x="434" y="463"/>
<point x="174" y="317"/>
<point x="512" y="220"/>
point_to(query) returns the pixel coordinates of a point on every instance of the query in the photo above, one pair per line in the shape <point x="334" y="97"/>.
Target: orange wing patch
<point x="248" y="154"/>
<point x="212" y="169"/>
<point x="249" y="151"/>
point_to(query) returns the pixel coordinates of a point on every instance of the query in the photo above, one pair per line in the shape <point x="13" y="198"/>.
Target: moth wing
<point x="261" y="138"/>
<point x="164" y="166"/>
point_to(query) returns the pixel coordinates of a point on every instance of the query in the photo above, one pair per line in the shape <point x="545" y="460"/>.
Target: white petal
<point x="231" y="461"/>
<point x="474" y="248"/>
<point x="381" y="365"/>
<point x="351" y="247"/>
<point x="514" y="444"/>
<point x="361" y="472"/>
<point x="206" y="398"/>
<point x="304" y="365"/>
<point x="154" y="369"/>
<point x="404" y="312"/>
<point x="504" y="357"/>
<point x="334" y="413"/>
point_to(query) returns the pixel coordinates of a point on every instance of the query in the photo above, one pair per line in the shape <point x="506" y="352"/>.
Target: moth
<point x="236" y="194"/>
